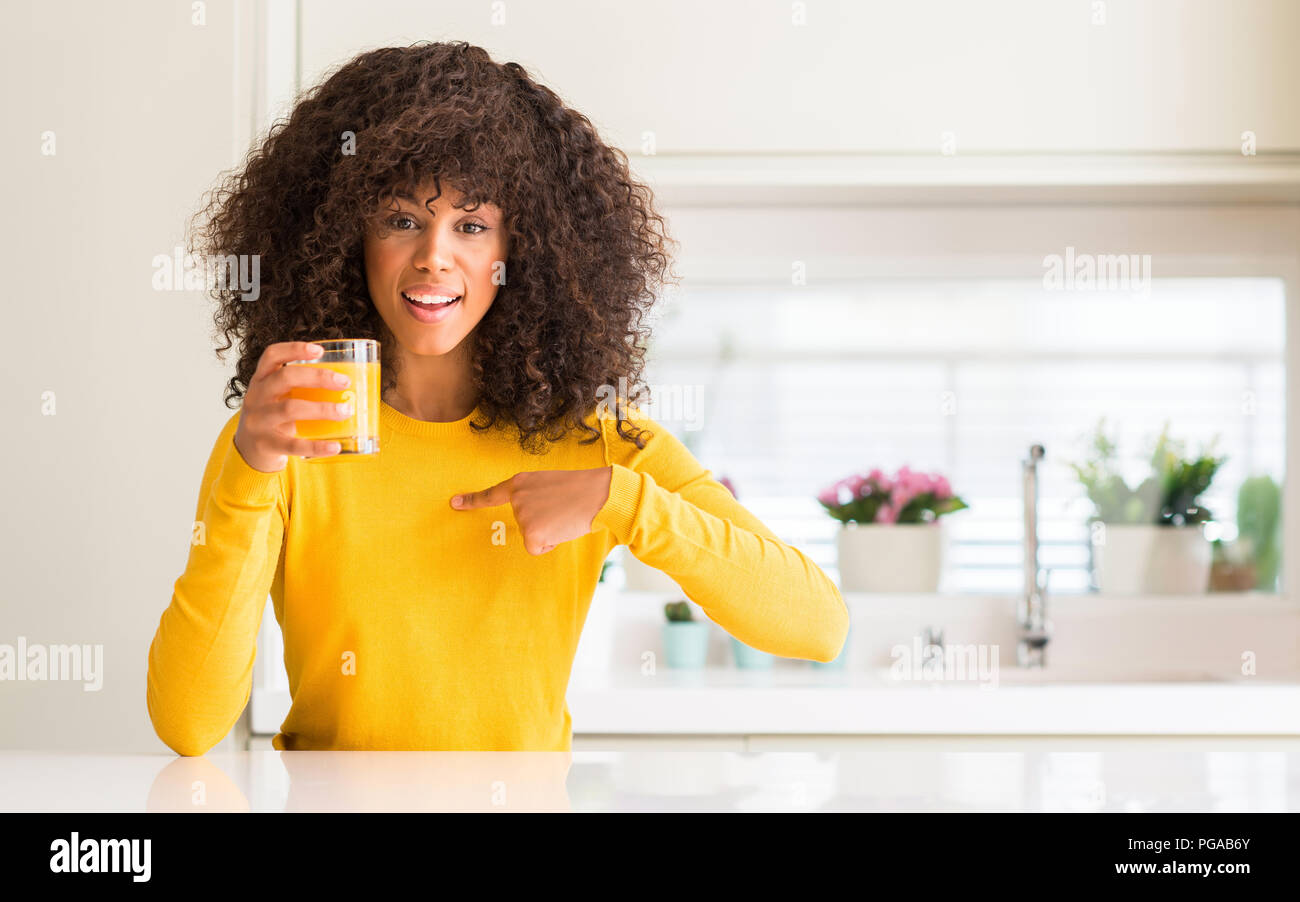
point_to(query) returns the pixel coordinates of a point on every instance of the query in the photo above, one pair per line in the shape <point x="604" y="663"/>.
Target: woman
<point x="412" y="620"/>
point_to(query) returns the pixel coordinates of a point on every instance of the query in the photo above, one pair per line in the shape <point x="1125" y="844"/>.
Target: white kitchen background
<point x="917" y="162"/>
<point x="857" y="294"/>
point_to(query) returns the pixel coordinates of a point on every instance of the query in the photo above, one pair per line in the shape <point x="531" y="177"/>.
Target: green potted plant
<point x="686" y="640"/>
<point x="1259" y="523"/>
<point x="890" y="538"/>
<point x="1251" y="562"/>
<point x="1149" y="539"/>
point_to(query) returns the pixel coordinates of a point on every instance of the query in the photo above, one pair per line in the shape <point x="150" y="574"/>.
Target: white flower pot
<point x="1146" y="559"/>
<point x="890" y="557"/>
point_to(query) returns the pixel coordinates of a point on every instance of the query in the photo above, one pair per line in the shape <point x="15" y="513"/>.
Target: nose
<point x="432" y="252"/>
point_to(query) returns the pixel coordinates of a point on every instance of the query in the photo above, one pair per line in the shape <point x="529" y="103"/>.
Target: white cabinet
<point x="1012" y="76"/>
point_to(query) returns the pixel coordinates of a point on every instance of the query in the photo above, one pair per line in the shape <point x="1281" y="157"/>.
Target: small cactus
<point x="678" y="612"/>
<point x="1259" y="505"/>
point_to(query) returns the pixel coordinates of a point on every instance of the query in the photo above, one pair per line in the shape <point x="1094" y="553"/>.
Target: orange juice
<point x="359" y="432"/>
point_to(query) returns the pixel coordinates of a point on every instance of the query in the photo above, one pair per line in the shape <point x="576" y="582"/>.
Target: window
<point x="802" y="385"/>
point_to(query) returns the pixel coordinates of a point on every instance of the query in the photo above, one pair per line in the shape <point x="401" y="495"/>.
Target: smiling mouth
<point x="433" y="303"/>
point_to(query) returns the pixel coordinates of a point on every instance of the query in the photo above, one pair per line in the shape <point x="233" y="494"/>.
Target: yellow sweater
<point x="409" y="625"/>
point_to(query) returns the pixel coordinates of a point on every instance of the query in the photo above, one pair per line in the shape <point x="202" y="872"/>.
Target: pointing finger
<point x="490" y="497"/>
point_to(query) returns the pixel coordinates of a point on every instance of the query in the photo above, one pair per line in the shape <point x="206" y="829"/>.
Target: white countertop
<point x="1122" y="775"/>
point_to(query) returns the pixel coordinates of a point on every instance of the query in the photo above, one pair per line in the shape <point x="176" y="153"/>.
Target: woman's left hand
<point x="550" y="506"/>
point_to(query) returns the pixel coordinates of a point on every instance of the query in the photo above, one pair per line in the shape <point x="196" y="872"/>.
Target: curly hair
<point x="587" y="248"/>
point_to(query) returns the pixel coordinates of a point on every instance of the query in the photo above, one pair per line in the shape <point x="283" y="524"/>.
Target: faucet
<point x="1031" y="614"/>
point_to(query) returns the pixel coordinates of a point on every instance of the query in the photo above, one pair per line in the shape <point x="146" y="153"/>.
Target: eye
<point x="478" y="225"/>
<point x="399" y="218"/>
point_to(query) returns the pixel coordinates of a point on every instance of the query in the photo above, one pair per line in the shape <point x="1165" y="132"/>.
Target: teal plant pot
<point x="686" y="644"/>
<point x="837" y="663"/>
<point x="748" y="658"/>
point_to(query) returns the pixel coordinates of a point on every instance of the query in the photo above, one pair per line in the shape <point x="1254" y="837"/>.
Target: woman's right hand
<point x="266" y="435"/>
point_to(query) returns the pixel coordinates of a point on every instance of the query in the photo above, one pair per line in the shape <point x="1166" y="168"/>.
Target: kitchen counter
<point x="920" y="774"/>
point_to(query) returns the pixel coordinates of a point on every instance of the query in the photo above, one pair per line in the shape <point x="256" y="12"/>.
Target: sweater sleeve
<point x="673" y="515"/>
<point x="200" y="669"/>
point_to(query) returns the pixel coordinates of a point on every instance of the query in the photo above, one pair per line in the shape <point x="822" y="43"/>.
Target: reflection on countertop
<point x="904" y="774"/>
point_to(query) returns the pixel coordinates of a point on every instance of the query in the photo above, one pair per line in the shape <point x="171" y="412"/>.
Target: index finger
<point x="489" y="497"/>
<point x="281" y="353"/>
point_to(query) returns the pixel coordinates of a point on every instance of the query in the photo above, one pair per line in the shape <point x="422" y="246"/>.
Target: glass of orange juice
<point x="358" y="359"/>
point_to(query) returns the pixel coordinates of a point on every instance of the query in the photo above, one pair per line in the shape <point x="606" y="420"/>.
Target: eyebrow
<point x="407" y="196"/>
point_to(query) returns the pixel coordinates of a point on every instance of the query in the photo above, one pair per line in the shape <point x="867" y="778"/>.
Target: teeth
<point x="428" y="300"/>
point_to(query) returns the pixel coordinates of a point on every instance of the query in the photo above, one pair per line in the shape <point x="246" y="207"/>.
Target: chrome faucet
<point x="1031" y="650"/>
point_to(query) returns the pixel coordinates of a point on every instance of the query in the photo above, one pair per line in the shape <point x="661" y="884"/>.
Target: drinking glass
<point x="358" y="359"/>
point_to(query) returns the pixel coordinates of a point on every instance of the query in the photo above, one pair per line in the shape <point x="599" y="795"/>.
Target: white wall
<point x="100" y="497"/>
